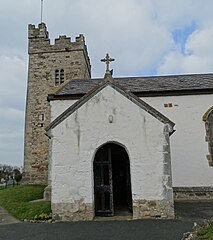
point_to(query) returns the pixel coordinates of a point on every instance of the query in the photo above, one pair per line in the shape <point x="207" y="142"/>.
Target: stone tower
<point x="49" y="67"/>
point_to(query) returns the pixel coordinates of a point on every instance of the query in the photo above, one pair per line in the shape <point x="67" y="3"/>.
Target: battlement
<point x="64" y="40"/>
<point x="40" y="32"/>
<point x="80" y="38"/>
<point x="39" y="41"/>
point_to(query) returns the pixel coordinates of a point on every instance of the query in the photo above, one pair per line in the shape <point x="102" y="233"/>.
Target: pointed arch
<point x="112" y="180"/>
<point x="208" y="119"/>
<point x="206" y="115"/>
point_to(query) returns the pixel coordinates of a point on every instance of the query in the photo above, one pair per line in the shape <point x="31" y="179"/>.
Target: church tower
<point x="49" y="67"/>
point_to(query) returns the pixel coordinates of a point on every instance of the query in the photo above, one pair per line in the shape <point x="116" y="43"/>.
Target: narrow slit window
<point x="42" y="117"/>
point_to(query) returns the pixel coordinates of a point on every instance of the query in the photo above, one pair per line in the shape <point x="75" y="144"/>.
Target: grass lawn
<point x="206" y="233"/>
<point x="17" y="201"/>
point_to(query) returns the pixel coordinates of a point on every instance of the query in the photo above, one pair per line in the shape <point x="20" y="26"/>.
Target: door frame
<point x="129" y="190"/>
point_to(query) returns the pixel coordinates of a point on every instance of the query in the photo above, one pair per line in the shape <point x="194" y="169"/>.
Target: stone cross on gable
<point x="107" y="60"/>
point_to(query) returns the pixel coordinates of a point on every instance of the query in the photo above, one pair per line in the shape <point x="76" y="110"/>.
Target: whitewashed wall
<point x="76" y="139"/>
<point x="58" y="107"/>
<point x="188" y="147"/>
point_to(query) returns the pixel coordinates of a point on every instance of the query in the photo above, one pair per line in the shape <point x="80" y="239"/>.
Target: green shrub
<point x="42" y="216"/>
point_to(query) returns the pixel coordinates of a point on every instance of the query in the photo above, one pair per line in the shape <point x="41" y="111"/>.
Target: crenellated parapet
<point x="39" y="41"/>
<point x="39" y="32"/>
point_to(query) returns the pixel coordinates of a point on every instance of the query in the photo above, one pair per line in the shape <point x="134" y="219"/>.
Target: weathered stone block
<point x="77" y="211"/>
<point x="44" y="59"/>
<point x="153" y="209"/>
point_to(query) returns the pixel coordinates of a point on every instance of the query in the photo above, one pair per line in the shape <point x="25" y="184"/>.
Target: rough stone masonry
<point x="45" y="61"/>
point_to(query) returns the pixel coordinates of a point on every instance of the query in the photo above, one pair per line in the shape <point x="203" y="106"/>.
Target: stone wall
<point x="142" y="209"/>
<point x="44" y="59"/>
<point x="193" y="193"/>
<point x="153" y="209"/>
<point x="76" y="211"/>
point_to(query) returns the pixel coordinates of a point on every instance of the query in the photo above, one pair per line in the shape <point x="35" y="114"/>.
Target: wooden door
<point x="129" y="190"/>
<point x="103" y="182"/>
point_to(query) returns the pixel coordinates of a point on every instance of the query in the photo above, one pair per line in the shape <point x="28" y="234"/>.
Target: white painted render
<point x="190" y="166"/>
<point x="76" y="139"/>
<point x="188" y="146"/>
<point x="58" y="107"/>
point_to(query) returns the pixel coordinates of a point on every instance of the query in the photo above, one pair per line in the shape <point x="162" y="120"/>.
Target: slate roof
<point x="127" y="94"/>
<point x="156" y="85"/>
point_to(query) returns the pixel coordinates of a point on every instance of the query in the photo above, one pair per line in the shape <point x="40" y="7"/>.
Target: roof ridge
<point x="181" y="84"/>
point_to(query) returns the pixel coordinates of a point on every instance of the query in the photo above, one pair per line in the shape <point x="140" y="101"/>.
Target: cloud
<point x="126" y="29"/>
<point x="177" y="14"/>
<point x="196" y="58"/>
<point x="138" y="34"/>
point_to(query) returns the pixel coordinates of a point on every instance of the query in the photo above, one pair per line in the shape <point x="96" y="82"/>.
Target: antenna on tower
<point x="42" y="10"/>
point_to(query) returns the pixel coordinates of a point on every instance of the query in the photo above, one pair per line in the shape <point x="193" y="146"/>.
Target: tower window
<point x="59" y="77"/>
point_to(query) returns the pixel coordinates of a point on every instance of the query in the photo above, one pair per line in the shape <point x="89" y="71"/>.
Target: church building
<point x="114" y="145"/>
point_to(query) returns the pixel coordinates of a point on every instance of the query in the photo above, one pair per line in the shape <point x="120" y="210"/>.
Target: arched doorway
<point x="112" y="184"/>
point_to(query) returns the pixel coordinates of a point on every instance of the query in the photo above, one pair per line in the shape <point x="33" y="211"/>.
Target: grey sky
<point x="144" y="36"/>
